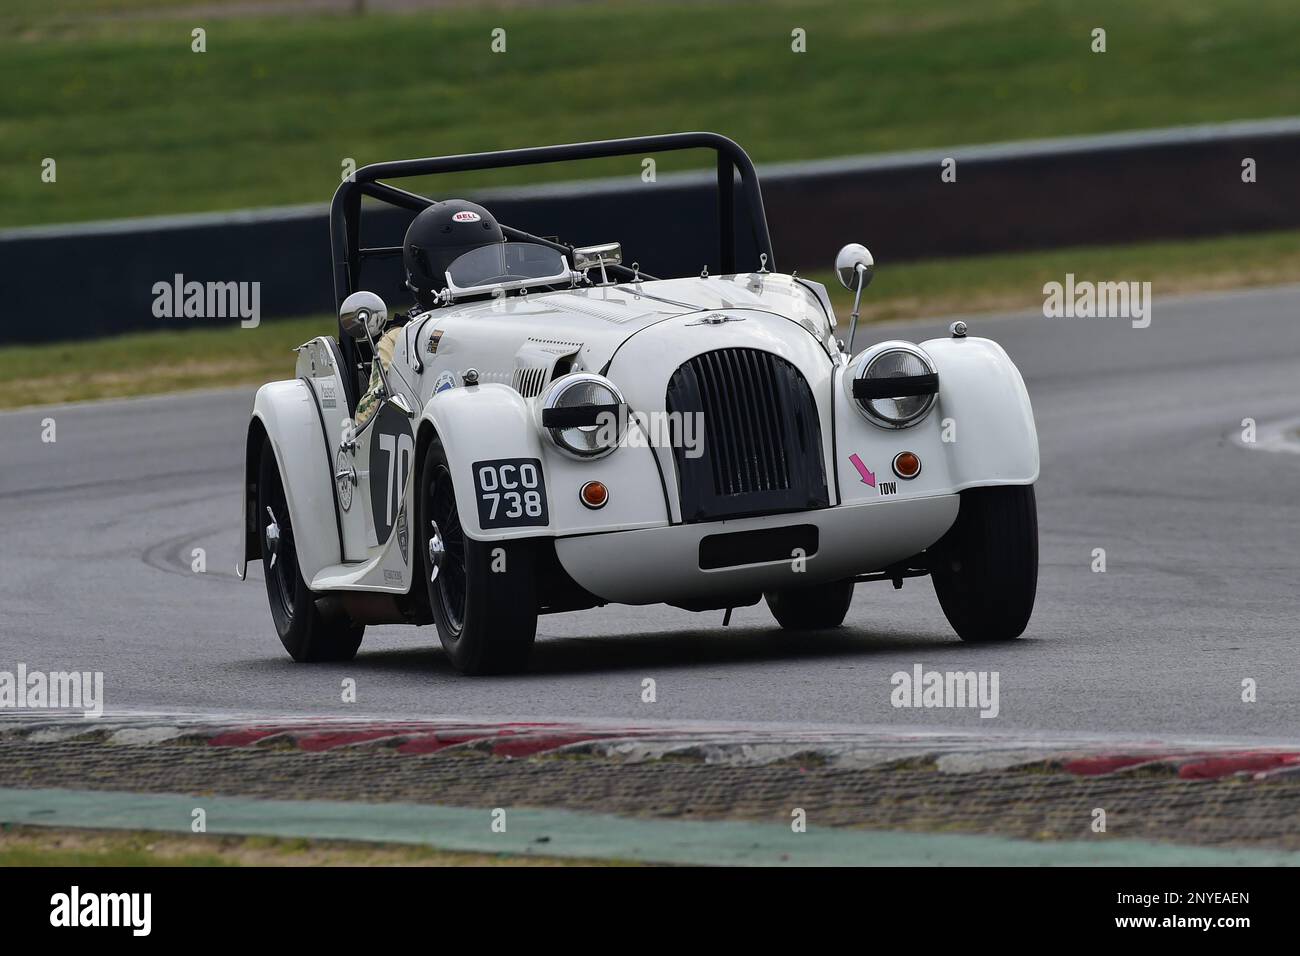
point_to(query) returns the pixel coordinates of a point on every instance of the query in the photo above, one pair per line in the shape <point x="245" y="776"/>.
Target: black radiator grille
<point x="744" y="420"/>
<point x="762" y="450"/>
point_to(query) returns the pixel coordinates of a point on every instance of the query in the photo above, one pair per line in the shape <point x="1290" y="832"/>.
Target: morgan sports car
<point x="549" y="428"/>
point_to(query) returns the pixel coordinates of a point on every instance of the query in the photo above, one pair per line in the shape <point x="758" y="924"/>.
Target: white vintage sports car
<point x="549" y="429"/>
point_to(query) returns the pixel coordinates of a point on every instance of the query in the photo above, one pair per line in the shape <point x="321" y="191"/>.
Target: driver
<point x="436" y="237"/>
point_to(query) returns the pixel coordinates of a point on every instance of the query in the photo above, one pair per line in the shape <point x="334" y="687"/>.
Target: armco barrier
<point x="98" y="279"/>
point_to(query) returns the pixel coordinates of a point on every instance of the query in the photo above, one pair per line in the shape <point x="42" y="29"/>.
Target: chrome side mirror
<point x="363" y="315"/>
<point x="588" y="257"/>
<point x="856" y="269"/>
<point x="853" y="262"/>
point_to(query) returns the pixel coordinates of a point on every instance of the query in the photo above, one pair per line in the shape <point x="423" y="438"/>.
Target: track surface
<point x="1136" y="428"/>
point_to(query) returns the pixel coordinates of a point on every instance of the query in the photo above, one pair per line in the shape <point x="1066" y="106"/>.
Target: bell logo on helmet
<point x="466" y="216"/>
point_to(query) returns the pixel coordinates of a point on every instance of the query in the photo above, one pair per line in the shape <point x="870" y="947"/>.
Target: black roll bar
<point x="345" y="209"/>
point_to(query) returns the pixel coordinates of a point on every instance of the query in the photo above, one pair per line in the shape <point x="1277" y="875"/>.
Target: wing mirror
<point x="854" y="262"/>
<point x="856" y="269"/>
<point x="363" y="315"/>
<point x="588" y="257"/>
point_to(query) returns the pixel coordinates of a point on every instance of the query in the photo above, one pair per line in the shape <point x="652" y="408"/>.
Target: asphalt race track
<point x="1139" y="457"/>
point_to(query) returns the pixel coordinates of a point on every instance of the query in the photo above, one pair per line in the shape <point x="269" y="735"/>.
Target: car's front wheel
<point x="985" y="569"/>
<point x="483" y="594"/>
<point x="815" y="608"/>
<point x="306" y="634"/>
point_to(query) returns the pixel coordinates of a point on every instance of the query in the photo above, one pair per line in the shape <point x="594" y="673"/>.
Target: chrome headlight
<point x="896" y="386"/>
<point x="582" y="414"/>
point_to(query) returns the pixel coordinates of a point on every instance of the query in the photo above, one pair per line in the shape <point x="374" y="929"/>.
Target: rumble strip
<point x="739" y="745"/>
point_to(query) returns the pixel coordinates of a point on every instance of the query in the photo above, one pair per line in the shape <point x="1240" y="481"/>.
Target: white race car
<point x="549" y="429"/>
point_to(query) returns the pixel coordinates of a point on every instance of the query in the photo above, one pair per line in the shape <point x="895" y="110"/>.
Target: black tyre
<point x="306" y="634"/>
<point x="815" y="608"/>
<point x="484" y="595"/>
<point x="985" y="569"/>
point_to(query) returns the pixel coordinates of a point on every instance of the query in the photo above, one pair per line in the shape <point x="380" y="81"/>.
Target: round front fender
<point x="286" y="413"/>
<point x="492" y="423"/>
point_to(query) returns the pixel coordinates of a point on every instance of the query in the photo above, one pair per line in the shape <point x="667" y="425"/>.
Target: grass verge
<point x="154" y="362"/>
<point x="149" y="363"/>
<point x="140" y="124"/>
<point x="39" y="846"/>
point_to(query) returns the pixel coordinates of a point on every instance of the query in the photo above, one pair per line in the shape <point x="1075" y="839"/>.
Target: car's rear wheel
<point x="483" y="594"/>
<point x="815" y="608"/>
<point x="985" y="569"/>
<point x="306" y="634"/>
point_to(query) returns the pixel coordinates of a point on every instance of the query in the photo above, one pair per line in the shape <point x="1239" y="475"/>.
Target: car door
<point x="388" y="451"/>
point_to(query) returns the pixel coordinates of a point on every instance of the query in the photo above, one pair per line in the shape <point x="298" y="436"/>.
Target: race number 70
<point x="400" y="450"/>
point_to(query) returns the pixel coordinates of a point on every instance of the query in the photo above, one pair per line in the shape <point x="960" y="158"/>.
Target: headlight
<point x="581" y="413"/>
<point x="896" y="386"/>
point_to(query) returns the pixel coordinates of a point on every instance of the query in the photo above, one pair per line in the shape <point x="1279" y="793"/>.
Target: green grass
<point x="35" y="12"/>
<point x="146" y="363"/>
<point x="154" y="362"/>
<point x="1014" y="280"/>
<point x="140" y="125"/>
<point x="37" y="846"/>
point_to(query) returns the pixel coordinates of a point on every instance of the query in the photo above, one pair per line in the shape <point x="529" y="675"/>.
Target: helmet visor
<point x="505" y="262"/>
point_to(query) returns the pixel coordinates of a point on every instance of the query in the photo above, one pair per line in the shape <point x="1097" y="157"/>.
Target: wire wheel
<point x="449" y="579"/>
<point x="304" y="632"/>
<point x="280" y="556"/>
<point x="483" y="594"/>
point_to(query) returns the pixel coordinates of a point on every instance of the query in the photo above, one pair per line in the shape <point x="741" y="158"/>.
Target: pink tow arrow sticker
<point x="868" y="476"/>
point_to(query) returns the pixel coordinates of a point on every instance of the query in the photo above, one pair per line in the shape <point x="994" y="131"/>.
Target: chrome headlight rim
<point x="550" y="399"/>
<point x="860" y="369"/>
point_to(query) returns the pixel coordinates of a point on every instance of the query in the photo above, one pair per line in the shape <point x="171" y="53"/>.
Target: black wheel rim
<point x="448" y="589"/>
<point x="282" y="573"/>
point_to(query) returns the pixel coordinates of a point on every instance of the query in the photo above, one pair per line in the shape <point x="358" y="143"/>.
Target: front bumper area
<point x="663" y="565"/>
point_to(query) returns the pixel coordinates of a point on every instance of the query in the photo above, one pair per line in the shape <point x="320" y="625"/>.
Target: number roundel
<point x="392" y="455"/>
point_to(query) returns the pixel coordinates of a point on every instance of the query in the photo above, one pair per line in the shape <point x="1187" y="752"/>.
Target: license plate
<point x="510" y="493"/>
